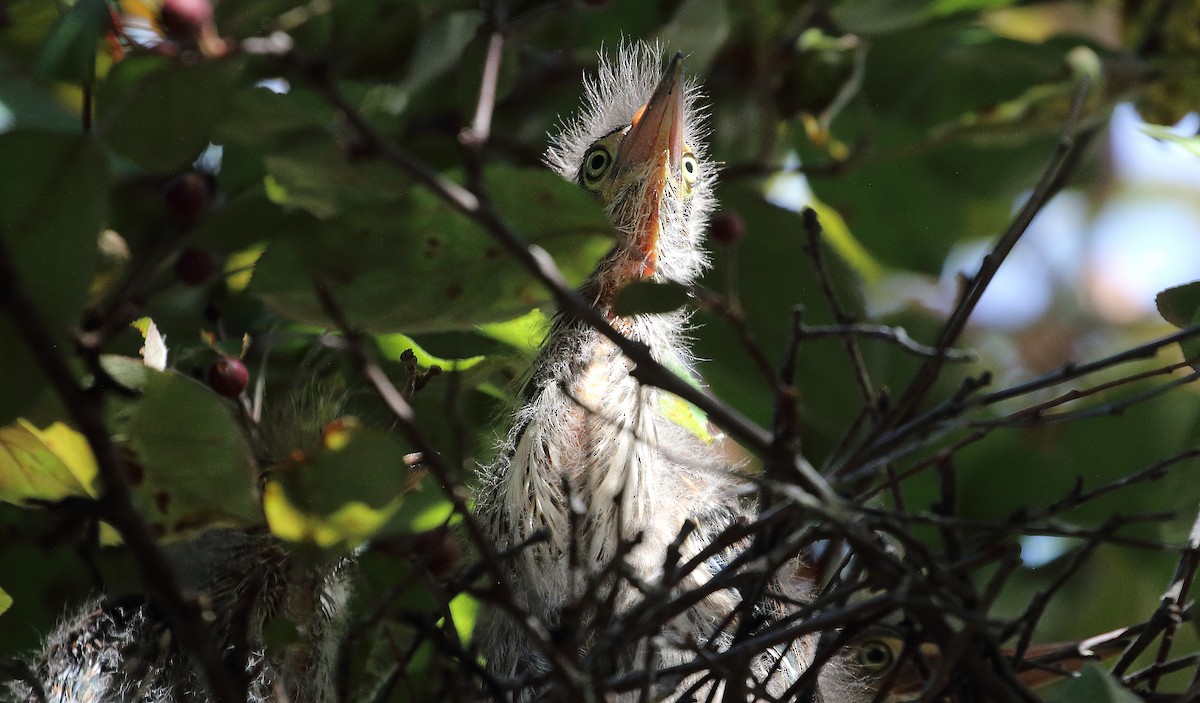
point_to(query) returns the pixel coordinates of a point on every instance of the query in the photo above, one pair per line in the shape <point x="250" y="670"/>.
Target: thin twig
<point x="1048" y="185"/>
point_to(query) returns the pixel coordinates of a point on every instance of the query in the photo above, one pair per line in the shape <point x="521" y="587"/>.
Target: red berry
<point x="183" y="19"/>
<point x="195" y="266"/>
<point x="727" y="227"/>
<point x="228" y="376"/>
<point x="438" y="551"/>
<point x="187" y="195"/>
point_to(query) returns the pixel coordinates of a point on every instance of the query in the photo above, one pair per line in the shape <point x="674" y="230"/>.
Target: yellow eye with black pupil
<point x="595" y="164"/>
<point x="875" y="655"/>
<point x="691" y="169"/>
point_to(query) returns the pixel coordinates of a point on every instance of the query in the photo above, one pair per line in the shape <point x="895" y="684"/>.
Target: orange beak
<point x="654" y="146"/>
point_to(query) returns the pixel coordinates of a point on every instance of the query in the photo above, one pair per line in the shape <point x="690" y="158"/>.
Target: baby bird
<point x="594" y="461"/>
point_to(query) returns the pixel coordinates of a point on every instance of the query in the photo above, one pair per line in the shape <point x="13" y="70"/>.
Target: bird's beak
<point x="654" y="146"/>
<point x="910" y="682"/>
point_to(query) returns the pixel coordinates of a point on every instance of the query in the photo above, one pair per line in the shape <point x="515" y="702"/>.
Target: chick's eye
<point x="596" y="163"/>
<point x="691" y="170"/>
<point x="875" y="655"/>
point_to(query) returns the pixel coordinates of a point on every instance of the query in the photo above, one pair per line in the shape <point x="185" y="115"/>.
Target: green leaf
<point x="194" y="466"/>
<point x="878" y="16"/>
<point x="392" y="346"/>
<point x="160" y="114"/>
<point x="250" y="219"/>
<point x="254" y="115"/>
<point x="342" y="493"/>
<point x="317" y="176"/>
<point x="439" y="48"/>
<point x="525" y="333"/>
<point x="1164" y="134"/>
<point x="1180" y="305"/>
<point x="885" y="16"/>
<point x="441" y="45"/>
<point x="686" y="415"/>
<point x="1095" y="685"/>
<point x="52" y="207"/>
<point x="837" y="233"/>
<point x="25" y="102"/>
<point x="429" y="268"/>
<point x="425" y="508"/>
<point x="6" y="601"/>
<point x="643" y="297"/>
<point x="127" y="371"/>
<point x="44" y="465"/>
<point x="698" y="29"/>
<point x="69" y="53"/>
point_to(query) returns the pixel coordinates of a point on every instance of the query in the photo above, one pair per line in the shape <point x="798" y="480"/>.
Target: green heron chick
<point x="122" y="650"/>
<point x="593" y="460"/>
<point x="875" y="666"/>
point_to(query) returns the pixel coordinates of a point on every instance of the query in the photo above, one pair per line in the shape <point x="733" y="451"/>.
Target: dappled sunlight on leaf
<point x="392" y="346"/>
<point x="524" y="333"/>
<point x="341" y="493"/>
<point x="347" y="526"/>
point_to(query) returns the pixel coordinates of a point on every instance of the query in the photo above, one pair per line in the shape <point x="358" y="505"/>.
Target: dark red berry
<point x="195" y="266"/>
<point x="438" y="551"/>
<point x="187" y="195"/>
<point x="727" y="227"/>
<point x="184" y="19"/>
<point x="595" y="3"/>
<point x="228" y="376"/>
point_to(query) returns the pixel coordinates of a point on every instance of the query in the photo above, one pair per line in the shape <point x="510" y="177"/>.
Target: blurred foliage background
<point x="188" y="163"/>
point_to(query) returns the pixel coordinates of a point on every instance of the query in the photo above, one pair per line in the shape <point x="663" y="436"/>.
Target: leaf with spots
<point x="191" y="465"/>
<point x="422" y="267"/>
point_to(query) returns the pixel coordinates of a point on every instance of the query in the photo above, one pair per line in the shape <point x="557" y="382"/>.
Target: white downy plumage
<point x="590" y="439"/>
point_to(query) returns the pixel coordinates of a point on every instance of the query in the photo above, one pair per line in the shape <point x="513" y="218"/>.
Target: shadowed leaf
<point x="433" y="269"/>
<point x="52" y="206"/>
<point x="143" y="95"/>
<point x="193" y="467"/>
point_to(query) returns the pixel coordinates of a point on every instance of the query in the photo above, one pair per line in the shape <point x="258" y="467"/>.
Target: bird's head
<point x="878" y="657"/>
<point x="637" y="146"/>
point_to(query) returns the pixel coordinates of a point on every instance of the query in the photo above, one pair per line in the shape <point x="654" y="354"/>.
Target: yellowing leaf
<point x="72" y="449"/>
<point x="6" y="601"/>
<point x="44" y="465"/>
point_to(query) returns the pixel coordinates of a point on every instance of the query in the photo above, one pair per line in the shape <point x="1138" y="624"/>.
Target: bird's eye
<point x="596" y="163"/>
<point x="875" y="655"/>
<point x="691" y="169"/>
